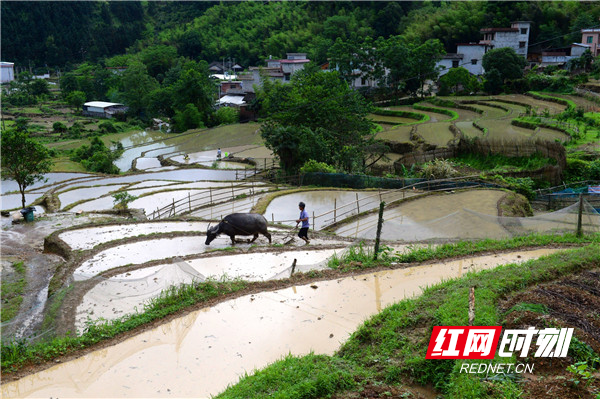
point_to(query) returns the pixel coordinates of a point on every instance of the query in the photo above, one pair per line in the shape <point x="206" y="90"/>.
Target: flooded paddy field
<point x="199" y="354"/>
<point x="284" y="209"/>
<point x="434" y="217"/>
<point x="127" y="292"/>
<point x="89" y="237"/>
<point x="438" y="133"/>
<point x="398" y="134"/>
<point x="51" y="179"/>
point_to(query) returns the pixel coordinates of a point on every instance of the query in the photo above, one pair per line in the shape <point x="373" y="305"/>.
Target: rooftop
<point x="101" y="104"/>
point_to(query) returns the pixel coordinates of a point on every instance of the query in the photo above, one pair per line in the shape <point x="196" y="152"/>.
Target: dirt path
<point x="198" y="354"/>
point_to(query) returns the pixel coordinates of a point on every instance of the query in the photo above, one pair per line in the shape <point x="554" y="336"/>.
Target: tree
<point x="76" y="99"/>
<point x="506" y="61"/>
<point x="187" y="119"/>
<point x="422" y="61"/>
<point x="457" y="77"/>
<point x="23" y="159"/>
<point x="493" y="81"/>
<point x="317" y="116"/>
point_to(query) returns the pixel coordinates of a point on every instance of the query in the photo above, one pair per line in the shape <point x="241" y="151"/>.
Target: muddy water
<point x="142" y="252"/>
<point x="90" y="237"/>
<point x="435" y="217"/>
<point x="124" y="293"/>
<point x="285" y="208"/>
<point x="201" y="353"/>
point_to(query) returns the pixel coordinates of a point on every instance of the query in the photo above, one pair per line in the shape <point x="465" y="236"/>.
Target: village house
<point x="470" y="55"/>
<point x="7" y="70"/>
<point x="560" y="56"/>
<point x="591" y="37"/>
<point x="103" y="109"/>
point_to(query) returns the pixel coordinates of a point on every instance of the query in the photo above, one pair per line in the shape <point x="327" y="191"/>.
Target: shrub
<point x="312" y="166"/>
<point x="107" y="127"/>
<point x="59" y="127"/>
<point x="122" y="199"/>
<point x="227" y="116"/>
<point x="438" y="169"/>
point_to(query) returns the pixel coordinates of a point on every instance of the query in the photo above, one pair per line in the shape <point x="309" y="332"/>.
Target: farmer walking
<point x="304" y="219"/>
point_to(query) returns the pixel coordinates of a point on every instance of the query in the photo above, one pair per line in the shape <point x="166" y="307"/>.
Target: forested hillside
<point x="59" y="34"/>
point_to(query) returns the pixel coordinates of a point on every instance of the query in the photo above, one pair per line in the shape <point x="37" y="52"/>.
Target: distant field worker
<point x="305" y="225"/>
<point x="218" y="153"/>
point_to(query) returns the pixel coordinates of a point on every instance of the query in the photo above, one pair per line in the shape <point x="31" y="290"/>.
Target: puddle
<point x="285" y="208"/>
<point x="127" y="292"/>
<point x="90" y="237"/>
<point x="434" y="217"/>
<point x="201" y="353"/>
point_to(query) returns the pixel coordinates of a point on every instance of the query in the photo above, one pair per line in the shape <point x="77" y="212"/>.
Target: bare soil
<point x="572" y="302"/>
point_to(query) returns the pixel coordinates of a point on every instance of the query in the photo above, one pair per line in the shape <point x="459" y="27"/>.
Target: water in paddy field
<point x="88" y="238"/>
<point x="199" y="354"/>
<point x="128" y="292"/>
<point x="322" y="203"/>
<point x="52" y="178"/>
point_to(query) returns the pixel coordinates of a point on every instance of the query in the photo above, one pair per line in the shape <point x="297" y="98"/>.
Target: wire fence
<point x="206" y="198"/>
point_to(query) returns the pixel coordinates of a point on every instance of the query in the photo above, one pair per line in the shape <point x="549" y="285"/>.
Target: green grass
<point x="497" y="163"/>
<point x="390" y="347"/>
<point x="12" y="292"/>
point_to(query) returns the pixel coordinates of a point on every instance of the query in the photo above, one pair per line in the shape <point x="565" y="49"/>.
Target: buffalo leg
<point x="255" y="237"/>
<point x="268" y="236"/>
<point x="232" y="239"/>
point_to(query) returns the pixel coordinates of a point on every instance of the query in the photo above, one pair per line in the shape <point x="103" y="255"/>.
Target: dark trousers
<point x="303" y="232"/>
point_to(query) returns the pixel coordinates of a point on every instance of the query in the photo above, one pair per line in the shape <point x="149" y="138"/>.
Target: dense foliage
<point x="317" y="116"/>
<point x="56" y="34"/>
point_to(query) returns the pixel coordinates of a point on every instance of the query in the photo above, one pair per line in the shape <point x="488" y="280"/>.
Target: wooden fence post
<point x="189" y="201"/>
<point x="210" y="192"/>
<point x="379" y="226"/>
<point x="579" y="217"/>
<point x="357" y="205"/>
<point x="334" y="210"/>
<point x="313" y="219"/>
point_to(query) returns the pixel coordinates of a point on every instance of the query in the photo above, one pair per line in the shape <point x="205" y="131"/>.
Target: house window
<point x="363" y="82"/>
<point x="523" y="31"/>
<point x="474" y="61"/>
<point x="590" y="39"/>
<point x="522" y="44"/>
<point x="454" y="63"/>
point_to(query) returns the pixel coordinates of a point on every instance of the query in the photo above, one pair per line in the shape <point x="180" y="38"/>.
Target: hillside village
<point x="247" y="200"/>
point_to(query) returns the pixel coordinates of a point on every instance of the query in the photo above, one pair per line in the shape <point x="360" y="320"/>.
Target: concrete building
<point x="470" y="55"/>
<point x="103" y="109"/>
<point x="276" y="70"/>
<point x="591" y="37"/>
<point x="7" y="72"/>
<point x="560" y="56"/>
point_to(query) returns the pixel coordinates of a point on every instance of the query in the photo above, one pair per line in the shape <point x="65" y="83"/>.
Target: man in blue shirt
<point x="304" y="219"/>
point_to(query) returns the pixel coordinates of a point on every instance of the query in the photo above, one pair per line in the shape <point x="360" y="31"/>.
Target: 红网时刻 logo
<point x="481" y="343"/>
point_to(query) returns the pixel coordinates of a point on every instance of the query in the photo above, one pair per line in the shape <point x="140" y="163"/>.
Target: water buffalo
<point x="242" y="224"/>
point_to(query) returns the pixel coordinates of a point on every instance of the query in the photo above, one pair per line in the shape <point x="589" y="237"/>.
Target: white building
<point x="470" y="55"/>
<point x="276" y="70"/>
<point x="103" y="109"/>
<point x="563" y="55"/>
<point x="7" y="70"/>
